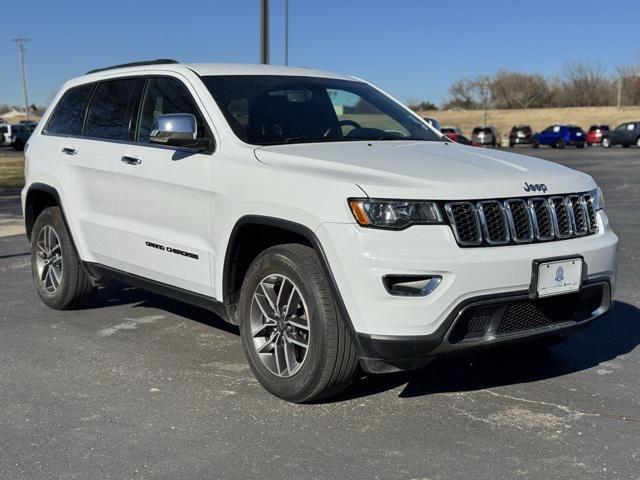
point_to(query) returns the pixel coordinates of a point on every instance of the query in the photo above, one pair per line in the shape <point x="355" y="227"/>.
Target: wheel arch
<point x="245" y="227"/>
<point x="38" y="197"/>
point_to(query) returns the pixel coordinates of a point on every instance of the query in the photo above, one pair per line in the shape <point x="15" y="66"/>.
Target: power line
<point x="20" y="42"/>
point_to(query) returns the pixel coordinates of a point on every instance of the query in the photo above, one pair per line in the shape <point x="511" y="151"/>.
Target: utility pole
<point x="286" y="32"/>
<point x="20" y="42"/>
<point x="264" y="31"/>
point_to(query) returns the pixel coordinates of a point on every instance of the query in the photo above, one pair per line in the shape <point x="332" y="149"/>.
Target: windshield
<point x="274" y="110"/>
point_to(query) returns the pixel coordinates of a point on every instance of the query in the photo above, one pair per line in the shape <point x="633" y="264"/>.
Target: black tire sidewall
<point x="52" y="216"/>
<point x="303" y="383"/>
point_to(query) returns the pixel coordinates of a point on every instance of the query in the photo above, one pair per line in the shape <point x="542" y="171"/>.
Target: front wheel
<point x="535" y="144"/>
<point x="638" y="142"/>
<point x="559" y="144"/>
<point x="292" y="333"/>
<point x="61" y="281"/>
<point x="606" y="142"/>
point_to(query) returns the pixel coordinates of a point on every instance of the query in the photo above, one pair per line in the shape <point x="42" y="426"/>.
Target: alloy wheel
<point x="280" y="325"/>
<point x="49" y="262"/>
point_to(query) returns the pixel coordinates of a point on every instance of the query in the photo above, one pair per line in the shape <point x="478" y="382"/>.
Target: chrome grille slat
<point x="522" y="220"/>
<point x="494" y="222"/>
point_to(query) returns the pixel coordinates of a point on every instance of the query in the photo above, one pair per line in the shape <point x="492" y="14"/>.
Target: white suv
<point x="329" y="222"/>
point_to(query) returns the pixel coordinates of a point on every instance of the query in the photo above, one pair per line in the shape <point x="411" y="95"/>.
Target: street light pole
<point x="20" y="42"/>
<point x="264" y="31"/>
<point x="286" y="32"/>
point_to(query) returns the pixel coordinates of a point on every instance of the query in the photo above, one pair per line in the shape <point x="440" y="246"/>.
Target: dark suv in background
<point x="520" y="135"/>
<point x="625" y="134"/>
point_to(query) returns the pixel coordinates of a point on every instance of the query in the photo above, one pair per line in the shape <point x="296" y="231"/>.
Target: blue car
<point x="560" y="136"/>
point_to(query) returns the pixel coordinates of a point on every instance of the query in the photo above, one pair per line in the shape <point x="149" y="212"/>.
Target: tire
<point x="60" y="280"/>
<point x="625" y="145"/>
<point x="329" y="363"/>
<point x="580" y="145"/>
<point x="559" y="143"/>
<point x="535" y="144"/>
<point x="606" y="142"/>
<point x="18" y="145"/>
<point x="638" y="142"/>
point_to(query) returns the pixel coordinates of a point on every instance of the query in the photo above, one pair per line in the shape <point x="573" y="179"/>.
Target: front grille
<point x="518" y="220"/>
<point x="523" y="315"/>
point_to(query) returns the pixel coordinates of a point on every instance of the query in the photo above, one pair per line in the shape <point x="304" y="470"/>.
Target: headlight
<point x="394" y="214"/>
<point x="598" y="198"/>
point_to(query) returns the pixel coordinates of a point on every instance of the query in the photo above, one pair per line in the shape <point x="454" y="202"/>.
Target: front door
<point x="164" y="198"/>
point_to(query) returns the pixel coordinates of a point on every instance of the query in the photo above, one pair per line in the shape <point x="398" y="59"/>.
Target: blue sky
<point x="413" y="49"/>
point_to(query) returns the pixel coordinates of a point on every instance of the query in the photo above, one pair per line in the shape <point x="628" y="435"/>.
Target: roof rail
<point x="159" y="61"/>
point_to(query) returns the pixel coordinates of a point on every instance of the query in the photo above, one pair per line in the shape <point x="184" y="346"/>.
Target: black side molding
<point x="98" y="272"/>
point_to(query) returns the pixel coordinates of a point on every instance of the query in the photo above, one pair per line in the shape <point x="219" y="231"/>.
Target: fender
<point x="311" y="237"/>
<point x="43" y="187"/>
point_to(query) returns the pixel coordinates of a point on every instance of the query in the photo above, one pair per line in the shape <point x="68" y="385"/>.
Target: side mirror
<point x="177" y="130"/>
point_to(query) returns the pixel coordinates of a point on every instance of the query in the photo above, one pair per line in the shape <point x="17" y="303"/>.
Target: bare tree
<point x="628" y="84"/>
<point x="585" y="84"/>
<point x="461" y="95"/>
<point x="519" y="90"/>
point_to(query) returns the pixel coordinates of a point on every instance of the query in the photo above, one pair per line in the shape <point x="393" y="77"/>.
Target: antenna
<point x="20" y="42"/>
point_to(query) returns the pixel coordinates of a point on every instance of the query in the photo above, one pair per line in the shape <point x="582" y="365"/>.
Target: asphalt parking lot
<point x="144" y="387"/>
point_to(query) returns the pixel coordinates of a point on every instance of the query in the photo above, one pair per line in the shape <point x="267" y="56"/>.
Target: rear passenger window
<point x="113" y="110"/>
<point x="164" y="96"/>
<point x="68" y="116"/>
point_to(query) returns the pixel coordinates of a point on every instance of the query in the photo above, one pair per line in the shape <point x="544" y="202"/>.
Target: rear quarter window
<point x="68" y="116"/>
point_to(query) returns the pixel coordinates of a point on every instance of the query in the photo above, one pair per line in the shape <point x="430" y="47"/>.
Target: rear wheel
<point x="60" y="279"/>
<point x="559" y="143"/>
<point x="292" y="333"/>
<point x="606" y="142"/>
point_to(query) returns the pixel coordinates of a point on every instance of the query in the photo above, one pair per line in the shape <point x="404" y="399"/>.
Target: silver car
<point x="487" y="136"/>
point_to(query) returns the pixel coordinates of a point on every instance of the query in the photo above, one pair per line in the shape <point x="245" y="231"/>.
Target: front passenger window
<point x="164" y="96"/>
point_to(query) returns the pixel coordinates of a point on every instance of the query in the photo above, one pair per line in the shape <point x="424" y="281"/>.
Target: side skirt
<point x="100" y="272"/>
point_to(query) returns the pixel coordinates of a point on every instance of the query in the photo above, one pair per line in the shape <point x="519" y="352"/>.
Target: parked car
<point x="5" y="135"/>
<point x="452" y="133"/>
<point x="462" y="140"/>
<point x="433" y="122"/>
<point x="560" y="136"/>
<point x="520" y="135"/>
<point x="19" y="134"/>
<point x="625" y="134"/>
<point x="596" y="133"/>
<point x="240" y="189"/>
<point x="486" y="136"/>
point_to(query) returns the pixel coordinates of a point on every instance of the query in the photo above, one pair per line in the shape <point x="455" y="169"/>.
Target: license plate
<point x="561" y="276"/>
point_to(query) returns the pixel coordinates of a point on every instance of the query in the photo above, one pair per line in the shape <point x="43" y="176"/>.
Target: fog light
<point x="411" y="285"/>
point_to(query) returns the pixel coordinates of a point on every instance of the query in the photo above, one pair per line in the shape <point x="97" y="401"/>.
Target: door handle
<point x="69" y="151"/>
<point x="131" y="160"/>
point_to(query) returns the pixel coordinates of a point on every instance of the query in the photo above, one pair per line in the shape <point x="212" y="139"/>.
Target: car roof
<point x="207" y="69"/>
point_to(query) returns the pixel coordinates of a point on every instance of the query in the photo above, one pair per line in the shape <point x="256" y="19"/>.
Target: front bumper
<point x="359" y="258"/>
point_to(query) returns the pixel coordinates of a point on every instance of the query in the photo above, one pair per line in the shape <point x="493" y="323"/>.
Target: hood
<point x="426" y="170"/>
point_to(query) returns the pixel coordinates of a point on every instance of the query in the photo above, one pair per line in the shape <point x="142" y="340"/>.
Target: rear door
<point x="85" y="170"/>
<point x="164" y="197"/>
<point x="618" y="136"/>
